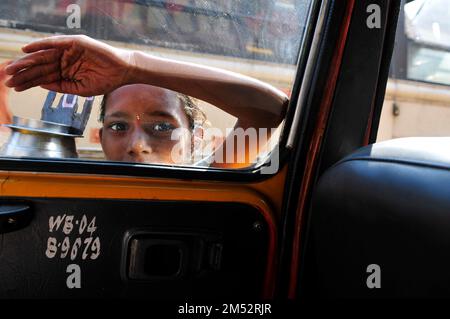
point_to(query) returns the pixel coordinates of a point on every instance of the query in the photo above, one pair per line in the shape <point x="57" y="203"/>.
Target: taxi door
<point x="79" y="228"/>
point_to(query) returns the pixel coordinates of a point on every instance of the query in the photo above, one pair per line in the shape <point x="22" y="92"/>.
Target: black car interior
<point x="386" y="204"/>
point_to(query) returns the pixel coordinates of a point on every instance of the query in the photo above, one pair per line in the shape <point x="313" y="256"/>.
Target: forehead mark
<point x="171" y="103"/>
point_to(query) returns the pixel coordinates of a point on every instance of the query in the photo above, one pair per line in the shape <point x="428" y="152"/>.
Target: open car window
<point x="427" y="29"/>
<point x="142" y="124"/>
<point x="418" y="91"/>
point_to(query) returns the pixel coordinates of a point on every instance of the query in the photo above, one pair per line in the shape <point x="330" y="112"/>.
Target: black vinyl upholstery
<point x="386" y="204"/>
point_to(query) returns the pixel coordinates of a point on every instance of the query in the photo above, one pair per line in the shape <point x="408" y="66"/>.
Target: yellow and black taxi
<point x="119" y="118"/>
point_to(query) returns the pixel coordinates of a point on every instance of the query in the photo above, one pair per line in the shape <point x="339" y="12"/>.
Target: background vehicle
<point x="417" y="96"/>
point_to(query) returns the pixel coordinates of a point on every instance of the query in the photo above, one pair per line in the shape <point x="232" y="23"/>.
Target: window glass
<point x="428" y="64"/>
<point x="427" y="27"/>
<point x="150" y="97"/>
<point x="417" y="99"/>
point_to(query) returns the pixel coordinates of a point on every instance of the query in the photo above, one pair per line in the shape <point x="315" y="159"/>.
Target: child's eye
<point x="163" y="127"/>
<point x="118" y="127"/>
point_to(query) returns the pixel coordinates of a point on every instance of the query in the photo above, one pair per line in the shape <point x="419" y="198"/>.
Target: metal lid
<point x="33" y="125"/>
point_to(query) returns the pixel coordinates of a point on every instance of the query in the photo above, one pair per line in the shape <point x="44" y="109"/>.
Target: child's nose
<point x="139" y="145"/>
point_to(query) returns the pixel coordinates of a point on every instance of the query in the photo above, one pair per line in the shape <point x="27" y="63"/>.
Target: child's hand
<point x="71" y="64"/>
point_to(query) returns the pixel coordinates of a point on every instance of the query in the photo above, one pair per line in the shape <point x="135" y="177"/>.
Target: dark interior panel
<point x="388" y="205"/>
<point x="147" y="249"/>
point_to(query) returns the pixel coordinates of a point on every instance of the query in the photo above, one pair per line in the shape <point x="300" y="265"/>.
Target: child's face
<point x="138" y="124"/>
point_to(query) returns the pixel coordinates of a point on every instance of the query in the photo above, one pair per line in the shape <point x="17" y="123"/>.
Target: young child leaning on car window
<point x="146" y="98"/>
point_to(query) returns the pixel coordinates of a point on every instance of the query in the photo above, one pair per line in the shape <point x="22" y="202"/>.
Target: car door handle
<point x="14" y="217"/>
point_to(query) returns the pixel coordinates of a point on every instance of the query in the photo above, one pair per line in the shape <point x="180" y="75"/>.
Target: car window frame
<point x="251" y="173"/>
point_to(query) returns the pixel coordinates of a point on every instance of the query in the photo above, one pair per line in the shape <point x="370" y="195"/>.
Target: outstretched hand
<point x="71" y="64"/>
